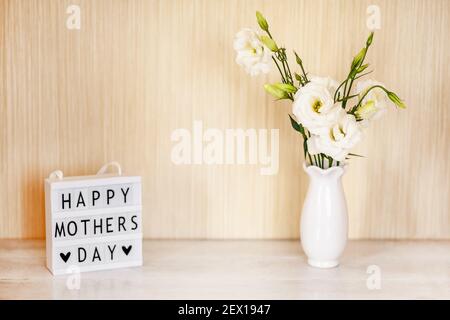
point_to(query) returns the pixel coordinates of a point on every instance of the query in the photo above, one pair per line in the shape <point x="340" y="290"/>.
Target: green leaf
<point x="262" y="21"/>
<point x="355" y="155"/>
<point x="269" y="43"/>
<point x="305" y="146"/>
<point x="395" y="99"/>
<point x="330" y="161"/>
<point x="297" y="127"/>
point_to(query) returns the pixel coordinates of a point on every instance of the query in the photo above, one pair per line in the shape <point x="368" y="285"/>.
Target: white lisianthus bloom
<point x="374" y="103"/>
<point x="252" y="54"/>
<point x="338" y="139"/>
<point x="327" y="82"/>
<point x="314" y="105"/>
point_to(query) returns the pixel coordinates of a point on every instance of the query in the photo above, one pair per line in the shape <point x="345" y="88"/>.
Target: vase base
<point x="323" y="264"/>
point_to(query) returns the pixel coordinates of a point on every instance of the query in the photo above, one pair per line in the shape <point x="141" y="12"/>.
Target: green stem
<point x="365" y="94"/>
<point x="348" y="98"/>
<point x="287" y="78"/>
<point x="338" y="88"/>
<point x="345" y="90"/>
<point x="303" y="71"/>
<point x="310" y="159"/>
<point x="346" y="94"/>
<point x="278" y="67"/>
<point x="289" y="69"/>
<point x="308" y="135"/>
<point x="362" y="75"/>
<point x="284" y="68"/>
<point x="344" y="103"/>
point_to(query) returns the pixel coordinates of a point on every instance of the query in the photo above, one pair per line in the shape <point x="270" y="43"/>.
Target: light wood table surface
<point x="237" y="270"/>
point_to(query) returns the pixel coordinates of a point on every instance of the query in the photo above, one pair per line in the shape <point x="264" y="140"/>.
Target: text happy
<point x="101" y="197"/>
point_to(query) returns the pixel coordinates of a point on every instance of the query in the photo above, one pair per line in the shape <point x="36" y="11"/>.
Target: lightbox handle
<point x="109" y="164"/>
<point x="57" y="174"/>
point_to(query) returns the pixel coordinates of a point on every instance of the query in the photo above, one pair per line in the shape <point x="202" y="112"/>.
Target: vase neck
<point x="319" y="174"/>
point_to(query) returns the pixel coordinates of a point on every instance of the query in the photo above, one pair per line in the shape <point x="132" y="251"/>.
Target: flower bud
<point x="395" y="99"/>
<point x="287" y="87"/>
<point x="369" y="39"/>
<point x="362" y="68"/>
<point x="275" y="91"/>
<point x="269" y="43"/>
<point x="262" y="21"/>
<point x="297" y="59"/>
<point x="358" y="58"/>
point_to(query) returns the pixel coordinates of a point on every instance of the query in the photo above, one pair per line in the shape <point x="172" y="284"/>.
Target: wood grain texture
<point x="137" y="70"/>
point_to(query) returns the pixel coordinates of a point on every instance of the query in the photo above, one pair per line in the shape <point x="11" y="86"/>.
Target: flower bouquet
<point x="331" y="118"/>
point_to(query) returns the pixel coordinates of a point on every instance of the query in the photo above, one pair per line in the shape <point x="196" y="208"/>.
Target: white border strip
<point x="94" y="212"/>
<point x="101" y="239"/>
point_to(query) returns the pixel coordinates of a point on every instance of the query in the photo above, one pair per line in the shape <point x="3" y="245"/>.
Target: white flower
<point x="314" y="105"/>
<point x="327" y="82"/>
<point x="338" y="139"/>
<point x="374" y="103"/>
<point x="252" y="54"/>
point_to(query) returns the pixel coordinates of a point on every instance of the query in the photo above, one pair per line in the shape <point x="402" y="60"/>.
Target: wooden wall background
<point x="137" y="70"/>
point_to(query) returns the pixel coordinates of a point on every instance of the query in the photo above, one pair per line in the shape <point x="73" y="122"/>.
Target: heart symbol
<point x="126" y="250"/>
<point x="65" y="257"/>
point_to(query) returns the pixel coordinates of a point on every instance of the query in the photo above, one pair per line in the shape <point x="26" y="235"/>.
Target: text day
<point x="98" y="254"/>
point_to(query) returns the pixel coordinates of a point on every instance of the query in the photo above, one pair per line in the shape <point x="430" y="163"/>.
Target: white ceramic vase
<point x="324" y="221"/>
